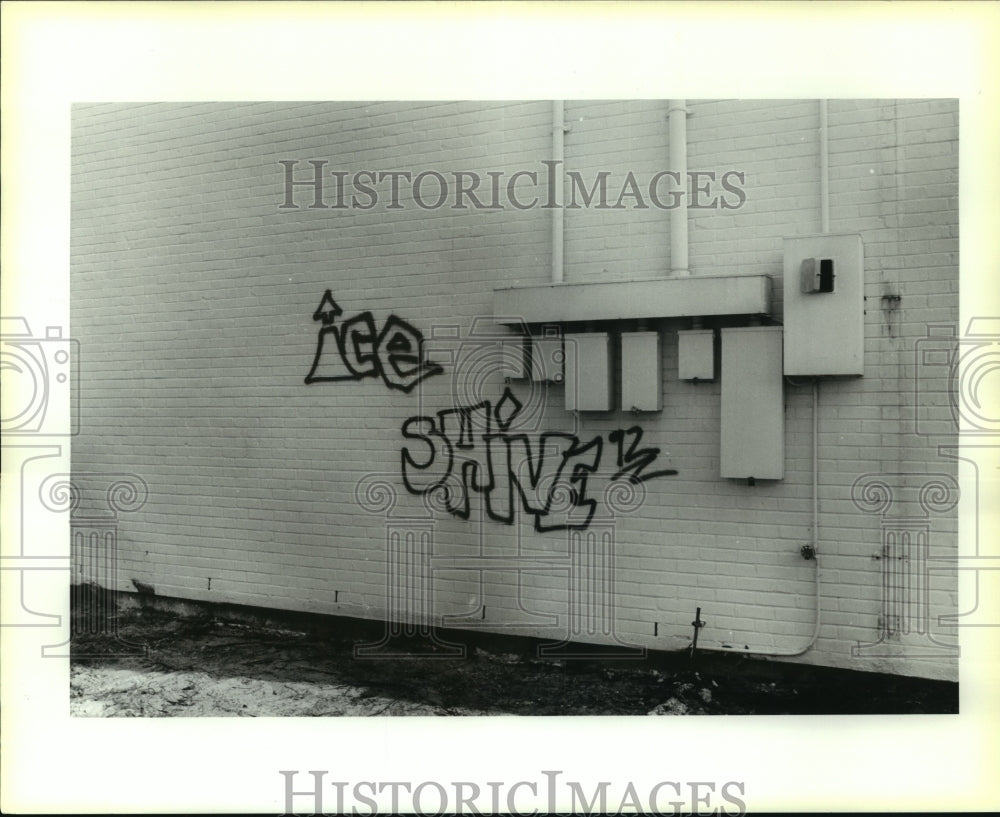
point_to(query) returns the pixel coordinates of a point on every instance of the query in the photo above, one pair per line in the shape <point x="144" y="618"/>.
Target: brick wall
<point x="193" y="294"/>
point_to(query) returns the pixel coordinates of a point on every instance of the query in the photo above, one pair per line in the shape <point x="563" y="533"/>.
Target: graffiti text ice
<point x="354" y="349"/>
<point x="472" y="449"/>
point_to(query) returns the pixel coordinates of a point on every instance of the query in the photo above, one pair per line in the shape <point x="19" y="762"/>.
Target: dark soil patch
<point x="204" y="664"/>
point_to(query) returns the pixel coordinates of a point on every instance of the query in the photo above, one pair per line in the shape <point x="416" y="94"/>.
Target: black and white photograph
<point x="610" y="378"/>
<point x="360" y="422"/>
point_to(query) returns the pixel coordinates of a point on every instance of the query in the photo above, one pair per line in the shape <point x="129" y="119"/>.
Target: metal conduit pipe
<point x="814" y="556"/>
<point x="558" y="212"/>
<point x="824" y="167"/>
<point x="824" y="186"/>
<point x="677" y="134"/>
<point x="815" y="529"/>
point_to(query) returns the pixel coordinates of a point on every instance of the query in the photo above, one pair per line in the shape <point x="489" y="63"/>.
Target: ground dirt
<point x="150" y="662"/>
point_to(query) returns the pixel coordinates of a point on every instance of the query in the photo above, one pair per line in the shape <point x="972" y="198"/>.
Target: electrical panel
<point x="547" y="359"/>
<point x="824" y="305"/>
<point x="588" y="372"/>
<point x="641" y="372"/>
<point x="753" y="406"/>
<point x="512" y="358"/>
<point x="696" y="354"/>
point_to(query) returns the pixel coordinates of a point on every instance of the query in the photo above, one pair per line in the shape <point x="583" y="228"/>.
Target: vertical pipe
<point x="824" y="213"/>
<point x="825" y="218"/>
<point x="677" y="116"/>
<point x="558" y="213"/>
<point x="824" y="167"/>
<point x="815" y="465"/>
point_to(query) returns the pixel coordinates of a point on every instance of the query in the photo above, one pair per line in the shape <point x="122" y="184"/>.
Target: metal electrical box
<point x="588" y="372"/>
<point x="641" y="372"/>
<point x="512" y="358"/>
<point x="696" y="354"/>
<point x="753" y="406"/>
<point x="824" y="305"/>
<point x="547" y="360"/>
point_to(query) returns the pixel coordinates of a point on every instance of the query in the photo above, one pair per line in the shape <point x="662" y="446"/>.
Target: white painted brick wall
<point x="193" y="294"/>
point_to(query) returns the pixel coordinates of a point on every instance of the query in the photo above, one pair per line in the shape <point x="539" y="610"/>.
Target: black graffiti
<point x="354" y="349"/>
<point x="632" y="462"/>
<point x="470" y="449"/>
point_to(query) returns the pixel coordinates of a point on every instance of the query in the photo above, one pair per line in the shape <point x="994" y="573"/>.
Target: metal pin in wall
<point x="697" y="624"/>
<point x="336" y="595"/>
<point x="484" y="612"/>
<point x="209" y="582"/>
<point x="656" y="628"/>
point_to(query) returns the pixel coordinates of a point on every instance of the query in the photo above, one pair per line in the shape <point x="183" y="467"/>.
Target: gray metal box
<point x="661" y="297"/>
<point x="642" y="380"/>
<point x="512" y="358"/>
<point x="588" y="372"/>
<point x="753" y="406"/>
<point x="824" y="305"/>
<point x="696" y="354"/>
<point x="547" y="359"/>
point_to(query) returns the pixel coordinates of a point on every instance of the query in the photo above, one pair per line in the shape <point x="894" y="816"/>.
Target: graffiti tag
<point x="472" y="448"/>
<point x="354" y="349"/>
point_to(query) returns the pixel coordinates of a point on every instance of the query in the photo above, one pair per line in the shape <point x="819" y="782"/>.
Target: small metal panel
<point x="696" y="354"/>
<point x="547" y="360"/>
<point x="753" y="406"/>
<point x="588" y="372"/>
<point x="824" y="305"/>
<point x="642" y="368"/>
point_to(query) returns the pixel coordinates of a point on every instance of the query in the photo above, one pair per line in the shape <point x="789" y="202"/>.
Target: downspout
<point x="677" y="133"/>
<point x="558" y="212"/>
<point x="824" y="168"/>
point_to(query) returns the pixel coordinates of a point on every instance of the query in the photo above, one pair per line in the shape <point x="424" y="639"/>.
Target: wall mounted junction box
<point x="546" y="359"/>
<point x="642" y="366"/>
<point x="588" y="372"/>
<point x="696" y="354"/>
<point x="513" y="358"/>
<point x="824" y="305"/>
<point x="753" y="404"/>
